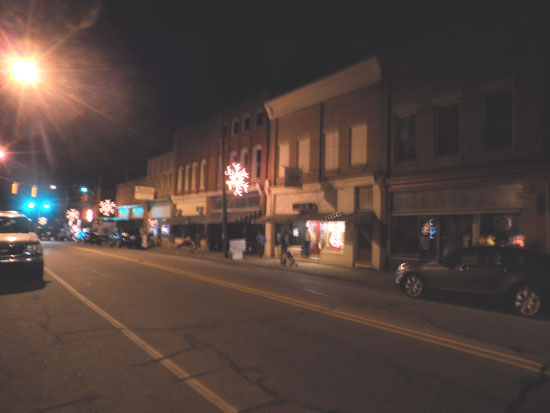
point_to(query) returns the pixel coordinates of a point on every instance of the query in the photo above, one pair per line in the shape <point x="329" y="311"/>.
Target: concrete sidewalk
<point x="366" y="276"/>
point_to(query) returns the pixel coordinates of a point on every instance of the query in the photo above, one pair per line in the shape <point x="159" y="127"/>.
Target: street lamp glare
<point x="2" y="154"/>
<point x="25" y="70"/>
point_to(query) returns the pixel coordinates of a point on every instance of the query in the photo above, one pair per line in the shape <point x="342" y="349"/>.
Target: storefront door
<point x="364" y="244"/>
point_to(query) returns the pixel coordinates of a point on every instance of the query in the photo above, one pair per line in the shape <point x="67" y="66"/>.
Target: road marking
<point x="155" y="354"/>
<point x="454" y="344"/>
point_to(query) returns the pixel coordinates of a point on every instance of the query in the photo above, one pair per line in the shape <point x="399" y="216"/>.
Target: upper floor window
<point x="406" y="141"/>
<point x="246" y="123"/>
<point x="256" y="163"/>
<point x="187" y="177"/>
<point x="358" y="145"/>
<point x="194" y="172"/>
<point x="498" y="120"/>
<point x="244" y="158"/>
<point x="233" y="157"/>
<point x="303" y="154"/>
<point x="259" y="119"/>
<point x="448" y="131"/>
<point x="180" y="179"/>
<point x="236" y="127"/>
<point x="202" y="179"/>
<point x="283" y="158"/>
<point x="331" y="151"/>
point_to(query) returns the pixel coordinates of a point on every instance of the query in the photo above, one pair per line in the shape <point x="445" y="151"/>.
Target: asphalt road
<point x="122" y="330"/>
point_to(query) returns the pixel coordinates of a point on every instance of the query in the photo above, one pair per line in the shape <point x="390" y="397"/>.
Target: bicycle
<point x="287" y="260"/>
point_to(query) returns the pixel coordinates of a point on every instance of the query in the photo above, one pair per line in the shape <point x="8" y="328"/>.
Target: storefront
<point x="505" y="214"/>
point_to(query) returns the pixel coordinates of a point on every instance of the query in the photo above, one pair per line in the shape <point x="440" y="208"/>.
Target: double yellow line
<point x="464" y="347"/>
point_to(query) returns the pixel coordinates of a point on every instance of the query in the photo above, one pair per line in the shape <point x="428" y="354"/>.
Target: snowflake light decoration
<point x="72" y="215"/>
<point x="42" y="221"/>
<point x="237" y="179"/>
<point x="107" y="207"/>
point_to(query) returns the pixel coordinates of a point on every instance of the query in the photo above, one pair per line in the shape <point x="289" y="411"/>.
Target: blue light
<point x="83" y="189"/>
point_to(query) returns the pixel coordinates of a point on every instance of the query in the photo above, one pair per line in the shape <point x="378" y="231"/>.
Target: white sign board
<point x="145" y="193"/>
<point x="237" y="247"/>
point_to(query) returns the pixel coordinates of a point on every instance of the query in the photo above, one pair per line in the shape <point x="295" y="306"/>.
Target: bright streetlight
<point x="24" y="70"/>
<point x="2" y="153"/>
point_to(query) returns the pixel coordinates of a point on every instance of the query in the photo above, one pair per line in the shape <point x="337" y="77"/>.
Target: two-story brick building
<point x="327" y="153"/>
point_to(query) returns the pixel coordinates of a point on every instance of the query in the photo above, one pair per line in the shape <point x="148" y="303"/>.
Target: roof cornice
<point x="357" y="76"/>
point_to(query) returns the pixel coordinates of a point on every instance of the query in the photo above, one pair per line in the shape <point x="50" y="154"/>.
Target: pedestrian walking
<point x="307" y="243"/>
<point x="260" y="241"/>
<point x="284" y="246"/>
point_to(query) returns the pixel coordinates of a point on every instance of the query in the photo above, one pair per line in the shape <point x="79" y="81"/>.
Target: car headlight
<point x="33" y="249"/>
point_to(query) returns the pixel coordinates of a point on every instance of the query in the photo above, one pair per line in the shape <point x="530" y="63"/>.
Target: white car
<point x="20" y="248"/>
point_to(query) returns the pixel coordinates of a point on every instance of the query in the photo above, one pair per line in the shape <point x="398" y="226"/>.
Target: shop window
<point x="358" y="144"/>
<point x="331" y="151"/>
<point x="333" y="235"/>
<point x="498" y="120"/>
<point x="406" y="141"/>
<point x="448" y="132"/>
<point x="414" y="235"/>
<point x="502" y="230"/>
<point x="303" y="154"/>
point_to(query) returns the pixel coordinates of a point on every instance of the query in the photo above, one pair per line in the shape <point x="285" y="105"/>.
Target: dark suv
<point x="20" y="248"/>
<point x="522" y="277"/>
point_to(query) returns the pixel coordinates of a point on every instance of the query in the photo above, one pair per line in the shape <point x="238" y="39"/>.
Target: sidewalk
<point x="363" y="276"/>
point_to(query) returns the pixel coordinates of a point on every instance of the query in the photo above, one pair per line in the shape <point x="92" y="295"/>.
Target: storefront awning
<point x="350" y="219"/>
<point x="233" y="217"/>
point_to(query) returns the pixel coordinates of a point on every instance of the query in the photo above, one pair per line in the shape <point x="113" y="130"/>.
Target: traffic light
<point x="14" y="188"/>
<point x="34" y="190"/>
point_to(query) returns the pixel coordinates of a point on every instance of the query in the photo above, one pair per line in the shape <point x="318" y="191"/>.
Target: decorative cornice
<point x="360" y="75"/>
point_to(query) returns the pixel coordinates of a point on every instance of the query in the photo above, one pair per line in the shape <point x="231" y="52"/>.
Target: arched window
<point x="202" y="180"/>
<point x="256" y="171"/>
<point x="187" y="177"/>
<point x="194" y="172"/>
<point x="244" y="158"/>
<point x="233" y="157"/>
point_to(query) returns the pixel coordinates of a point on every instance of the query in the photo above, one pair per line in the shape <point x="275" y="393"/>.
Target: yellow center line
<point x="147" y="348"/>
<point x="454" y="344"/>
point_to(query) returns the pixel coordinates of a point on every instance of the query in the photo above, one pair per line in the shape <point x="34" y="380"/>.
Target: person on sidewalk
<point x="260" y="240"/>
<point x="284" y="246"/>
<point x="307" y="243"/>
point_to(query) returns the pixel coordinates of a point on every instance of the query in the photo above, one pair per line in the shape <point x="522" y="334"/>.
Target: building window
<point x="498" y="120"/>
<point x="358" y="144"/>
<point x="194" y="172"/>
<point x="235" y="129"/>
<point x="259" y="119"/>
<point x="363" y="198"/>
<point x="331" y="151"/>
<point x="233" y="157"/>
<point x="283" y="158"/>
<point x="187" y="177"/>
<point x="202" y="180"/>
<point x="257" y="163"/>
<point x="406" y="142"/>
<point x="244" y="158"/>
<point x="246" y="123"/>
<point x="303" y="154"/>
<point x="448" y="132"/>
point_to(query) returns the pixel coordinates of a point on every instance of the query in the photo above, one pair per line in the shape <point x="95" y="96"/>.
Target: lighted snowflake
<point x="107" y="207"/>
<point x="72" y="215"/>
<point x="237" y="179"/>
<point x="42" y="220"/>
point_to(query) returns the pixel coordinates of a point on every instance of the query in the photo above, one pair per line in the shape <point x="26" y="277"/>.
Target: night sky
<point x="128" y="74"/>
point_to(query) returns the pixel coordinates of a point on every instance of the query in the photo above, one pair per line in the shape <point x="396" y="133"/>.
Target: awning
<point x="233" y="217"/>
<point x="350" y="219"/>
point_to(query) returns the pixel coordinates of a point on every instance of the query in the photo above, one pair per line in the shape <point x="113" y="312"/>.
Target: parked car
<point x="519" y="276"/>
<point x="129" y="239"/>
<point x="20" y="248"/>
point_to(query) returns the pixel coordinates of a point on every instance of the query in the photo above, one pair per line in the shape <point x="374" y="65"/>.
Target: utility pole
<point x="225" y="240"/>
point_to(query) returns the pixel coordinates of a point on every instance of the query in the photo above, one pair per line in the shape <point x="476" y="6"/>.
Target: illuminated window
<point x="406" y="142"/>
<point x="194" y="173"/>
<point x="448" y="131"/>
<point x="498" y="120"/>
<point x="331" y="151"/>
<point x="358" y="144"/>
<point x="283" y="158"/>
<point x="202" y="184"/>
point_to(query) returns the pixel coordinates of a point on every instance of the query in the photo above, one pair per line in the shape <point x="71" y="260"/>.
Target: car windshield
<point x="14" y="224"/>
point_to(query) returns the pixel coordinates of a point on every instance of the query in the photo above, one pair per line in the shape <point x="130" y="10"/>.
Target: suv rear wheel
<point x="527" y="300"/>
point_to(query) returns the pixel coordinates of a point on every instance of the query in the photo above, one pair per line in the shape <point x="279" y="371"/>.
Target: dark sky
<point x="131" y="73"/>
